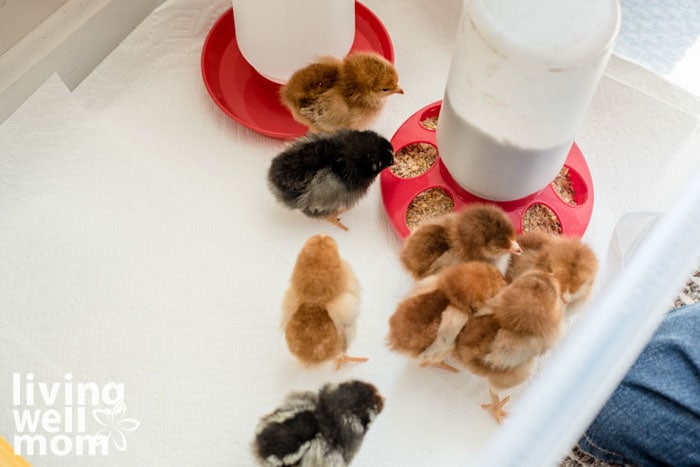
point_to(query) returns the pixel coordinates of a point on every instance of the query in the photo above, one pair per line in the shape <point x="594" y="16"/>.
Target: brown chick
<point x="320" y="306"/>
<point x="480" y="232"/>
<point x="531" y="244"/>
<point x="572" y="262"/>
<point x="429" y="319"/>
<point x="334" y="94"/>
<point x="521" y="322"/>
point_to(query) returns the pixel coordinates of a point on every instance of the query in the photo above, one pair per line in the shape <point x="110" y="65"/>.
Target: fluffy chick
<point x="480" y="232"/>
<point x="321" y="305"/>
<point x="318" y="430"/>
<point x="324" y="175"/>
<point x="334" y="94"/>
<point x="531" y="244"/>
<point x="521" y="322"/>
<point x="572" y="262"/>
<point x="427" y="322"/>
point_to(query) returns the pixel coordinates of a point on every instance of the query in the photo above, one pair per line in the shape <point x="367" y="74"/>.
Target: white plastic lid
<point x="560" y="33"/>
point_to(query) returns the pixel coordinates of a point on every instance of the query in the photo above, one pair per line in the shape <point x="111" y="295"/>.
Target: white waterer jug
<point x="277" y="37"/>
<point x="522" y="76"/>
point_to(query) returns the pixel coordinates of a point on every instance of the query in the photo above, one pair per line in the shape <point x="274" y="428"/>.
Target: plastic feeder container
<point x="252" y="100"/>
<point x="277" y="37"/>
<point x="398" y="193"/>
<point x="522" y="77"/>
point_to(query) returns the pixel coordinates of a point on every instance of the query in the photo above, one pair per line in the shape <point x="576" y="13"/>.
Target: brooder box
<point x="140" y="246"/>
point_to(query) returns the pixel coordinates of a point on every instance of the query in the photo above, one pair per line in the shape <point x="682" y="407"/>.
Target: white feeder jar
<point x="522" y="76"/>
<point x="277" y="37"/>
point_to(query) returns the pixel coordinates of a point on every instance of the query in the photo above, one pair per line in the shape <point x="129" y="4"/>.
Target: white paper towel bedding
<point x="139" y="245"/>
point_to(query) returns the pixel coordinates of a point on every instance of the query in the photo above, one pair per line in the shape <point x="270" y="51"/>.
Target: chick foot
<point x="496" y="406"/>
<point x="335" y="220"/>
<point x="441" y="365"/>
<point x="345" y="358"/>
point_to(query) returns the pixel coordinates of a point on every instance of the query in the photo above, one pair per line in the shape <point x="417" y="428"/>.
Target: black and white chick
<point x="324" y="175"/>
<point x="323" y="429"/>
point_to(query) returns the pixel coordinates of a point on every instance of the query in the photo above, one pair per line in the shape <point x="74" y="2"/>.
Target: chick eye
<point x="386" y="89"/>
<point x="374" y="166"/>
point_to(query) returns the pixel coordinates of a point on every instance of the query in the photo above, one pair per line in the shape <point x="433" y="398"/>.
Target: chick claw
<point x="336" y="221"/>
<point x="345" y="358"/>
<point x="496" y="406"/>
<point x="441" y="365"/>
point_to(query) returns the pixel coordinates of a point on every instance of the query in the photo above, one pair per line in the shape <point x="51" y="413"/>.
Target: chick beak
<point x="397" y="90"/>
<point x="323" y="235"/>
<point x="515" y="248"/>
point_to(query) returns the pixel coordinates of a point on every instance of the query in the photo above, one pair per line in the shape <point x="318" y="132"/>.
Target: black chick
<point x="324" y="175"/>
<point x="324" y="429"/>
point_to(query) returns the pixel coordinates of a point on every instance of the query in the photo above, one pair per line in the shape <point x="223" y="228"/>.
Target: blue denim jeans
<point x="653" y="417"/>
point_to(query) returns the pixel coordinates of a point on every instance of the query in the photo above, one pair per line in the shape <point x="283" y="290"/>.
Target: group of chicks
<point x="489" y="298"/>
<point x="319" y="315"/>
<point x="330" y="170"/>
<point x="323" y="174"/>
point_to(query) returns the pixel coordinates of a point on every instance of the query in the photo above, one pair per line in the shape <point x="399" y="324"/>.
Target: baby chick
<point x="519" y="323"/>
<point x="572" y="262"/>
<point x="480" y="232"/>
<point x="334" y="94"/>
<point x="531" y="244"/>
<point x="427" y="322"/>
<point x="318" y="430"/>
<point x="323" y="176"/>
<point x="320" y="306"/>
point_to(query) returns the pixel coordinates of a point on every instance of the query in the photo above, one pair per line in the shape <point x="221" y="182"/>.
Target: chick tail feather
<point x="311" y="335"/>
<point x="423" y="248"/>
<point x="274" y="446"/>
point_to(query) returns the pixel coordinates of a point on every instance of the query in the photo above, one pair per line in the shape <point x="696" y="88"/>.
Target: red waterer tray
<point x="398" y="192"/>
<point x="253" y="101"/>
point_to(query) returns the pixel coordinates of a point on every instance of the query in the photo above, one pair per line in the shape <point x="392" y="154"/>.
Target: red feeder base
<point x="398" y="193"/>
<point x="253" y="101"/>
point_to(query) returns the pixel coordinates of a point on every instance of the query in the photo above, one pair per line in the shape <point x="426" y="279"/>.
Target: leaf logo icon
<point x="115" y="424"/>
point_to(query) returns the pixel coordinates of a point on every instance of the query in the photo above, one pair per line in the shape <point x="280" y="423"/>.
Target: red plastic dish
<point x="253" y="101"/>
<point x="398" y="193"/>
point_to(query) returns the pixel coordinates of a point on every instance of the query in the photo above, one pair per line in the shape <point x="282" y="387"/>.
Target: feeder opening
<point x="564" y="187"/>
<point x="414" y="160"/>
<point x="427" y="204"/>
<point x="539" y="217"/>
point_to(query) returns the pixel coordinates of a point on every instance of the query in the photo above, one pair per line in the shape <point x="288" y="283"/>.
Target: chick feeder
<point x="252" y="100"/>
<point x="398" y="192"/>
<point x="521" y="78"/>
